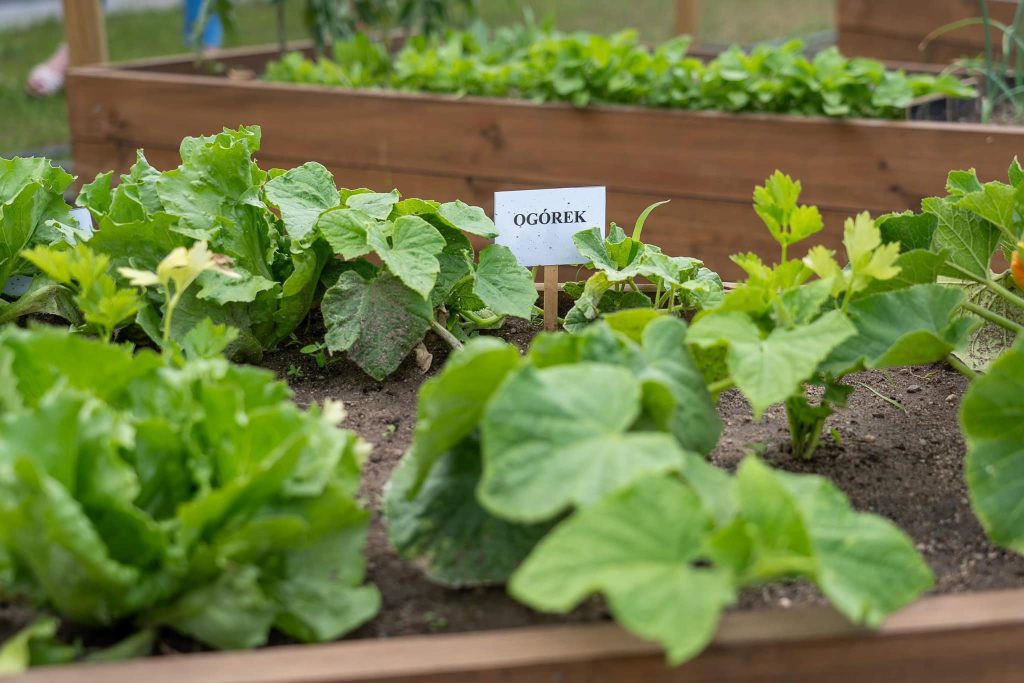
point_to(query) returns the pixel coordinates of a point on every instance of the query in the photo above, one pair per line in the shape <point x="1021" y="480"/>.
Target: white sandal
<point x="45" y="81"/>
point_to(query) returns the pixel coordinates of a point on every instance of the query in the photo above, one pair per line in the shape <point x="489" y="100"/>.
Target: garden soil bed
<point x="901" y="461"/>
<point x="905" y="463"/>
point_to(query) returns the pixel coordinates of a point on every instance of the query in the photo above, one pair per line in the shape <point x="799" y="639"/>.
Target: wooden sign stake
<point x="551" y="298"/>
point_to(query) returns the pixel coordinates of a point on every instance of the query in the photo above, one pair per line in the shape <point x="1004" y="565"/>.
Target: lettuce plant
<point x="427" y="278"/>
<point x="520" y="470"/>
<point x="583" y="69"/>
<point x="33" y="213"/>
<point x="682" y="284"/>
<point x="158" y="492"/>
<point x="217" y="195"/>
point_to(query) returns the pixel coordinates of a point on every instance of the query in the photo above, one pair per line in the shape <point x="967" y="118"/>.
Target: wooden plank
<point x="947" y="639"/>
<point x="688" y="18"/>
<point x="859" y="164"/>
<point x="86" y="32"/>
<point x="893" y="30"/>
<point x="711" y="230"/>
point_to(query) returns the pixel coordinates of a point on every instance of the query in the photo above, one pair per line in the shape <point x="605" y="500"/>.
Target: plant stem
<point x="442" y="332"/>
<point x="172" y="303"/>
<point x="960" y="367"/>
<point x="721" y="385"/>
<point x="993" y="317"/>
<point x="1005" y="293"/>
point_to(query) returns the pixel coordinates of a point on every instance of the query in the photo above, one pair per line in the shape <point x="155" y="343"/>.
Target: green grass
<point x="721" y="21"/>
<point x="28" y="123"/>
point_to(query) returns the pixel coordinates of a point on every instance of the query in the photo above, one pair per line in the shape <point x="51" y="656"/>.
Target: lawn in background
<point x="28" y="123"/>
<point x="31" y="123"/>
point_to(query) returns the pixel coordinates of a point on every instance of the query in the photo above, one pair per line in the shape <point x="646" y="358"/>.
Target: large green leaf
<point x="346" y="231"/>
<point x="451" y="404"/>
<point x="466" y="218"/>
<point x="639" y="548"/>
<point x="551" y="441"/>
<point x="231" y="613"/>
<point x="993" y="421"/>
<point x="904" y="327"/>
<point x="301" y="195"/>
<point x="848" y="546"/>
<point x="377" y="322"/>
<point x="411" y="253"/>
<point x="768" y="370"/>
<point x="505" y="287"/>
<point x="673" y="388"/>
<point x="970" y="239"/>
<point x="439" y="522"/>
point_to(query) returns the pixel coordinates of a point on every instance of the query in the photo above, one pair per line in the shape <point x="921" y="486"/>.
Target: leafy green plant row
<point x="523" y="470"/>
<point x="583" y="69"/>
<point x="408" y="265"/>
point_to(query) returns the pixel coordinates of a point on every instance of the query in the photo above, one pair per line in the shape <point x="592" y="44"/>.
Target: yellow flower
<point x="182" y="267"/>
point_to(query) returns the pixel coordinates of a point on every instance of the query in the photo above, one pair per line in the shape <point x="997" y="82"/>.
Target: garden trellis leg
<point x="85" y="31"/>
<point x="688" y="18"/>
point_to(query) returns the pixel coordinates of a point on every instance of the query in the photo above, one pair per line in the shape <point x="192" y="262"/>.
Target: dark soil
<point x="904" y="463"/>
<point x="901" y="458"/>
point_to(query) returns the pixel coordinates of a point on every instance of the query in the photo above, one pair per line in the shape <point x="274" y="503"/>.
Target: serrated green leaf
<point x="346" y="231"/>
<point x="444" y="526"/>
<point x="550" y="442"/>
<point x="301" y="195"/>
<point x="376" y="322"/>
<point x="970" y="239"/>
<point x="411" y="253"/>
<point x="466" y="218"/>
<point x="378" y="205"/>
<point x="505" y="287"/>
<point x="992" y="416"/>
<point x="768" y="370"/>
<point x="623" y="547"/>
<point x="905" y="327"/>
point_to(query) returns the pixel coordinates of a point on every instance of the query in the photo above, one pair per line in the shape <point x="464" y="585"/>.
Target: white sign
<point x="538" y="225"/>
<point x="19" y="284"/>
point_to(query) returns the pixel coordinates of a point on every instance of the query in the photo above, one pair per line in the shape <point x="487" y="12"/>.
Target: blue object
<point x="213" y="35"/>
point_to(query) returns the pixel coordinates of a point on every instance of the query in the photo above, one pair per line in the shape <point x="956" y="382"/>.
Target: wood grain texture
<point x="688" y="18"/>
<point x="446" y="147"/>
<point x="948" y="639"/>
<point x="890" y="30"/>
<point x="86" y="32"/>
<point x="710" y="230"/>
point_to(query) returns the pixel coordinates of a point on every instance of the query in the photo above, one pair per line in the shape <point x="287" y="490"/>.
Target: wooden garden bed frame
<point x="946" y="639"/>
<point x="708" y="164"/>
<point x="445" y="147"/>
<point x="894" y="29"/>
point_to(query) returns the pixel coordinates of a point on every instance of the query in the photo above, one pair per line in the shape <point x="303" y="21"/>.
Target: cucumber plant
<point x="681" y="284"/>
<point x="426" y="277"/>
<point x="522" y="470"/>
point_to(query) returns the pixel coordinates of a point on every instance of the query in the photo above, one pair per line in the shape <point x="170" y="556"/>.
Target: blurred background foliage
<point x="31" y="124"/>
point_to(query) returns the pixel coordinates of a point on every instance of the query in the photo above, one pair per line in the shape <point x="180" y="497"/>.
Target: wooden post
<point x="551" y="298"/>
<point x="86" y="32"/>
<point x="688" y="18"/>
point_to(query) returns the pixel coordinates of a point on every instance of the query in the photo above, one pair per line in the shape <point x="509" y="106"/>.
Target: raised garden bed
<point x="894" y="30"/>
<point x="448" y="147"/>
<point x="903" y="463"/>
